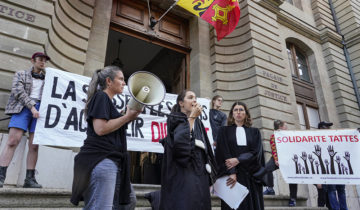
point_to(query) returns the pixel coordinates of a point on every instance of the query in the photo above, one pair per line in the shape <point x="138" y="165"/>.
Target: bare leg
<point x="7" y="154"/>
<point x="32" y="154"/>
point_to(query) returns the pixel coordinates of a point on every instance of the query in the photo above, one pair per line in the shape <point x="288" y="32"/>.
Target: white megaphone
<point x="145" y="89"/>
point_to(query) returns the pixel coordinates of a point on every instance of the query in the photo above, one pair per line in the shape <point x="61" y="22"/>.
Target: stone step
<point x="295" y="208"/>
<point x="18" y="198"/>
<point x="148" y="208"/>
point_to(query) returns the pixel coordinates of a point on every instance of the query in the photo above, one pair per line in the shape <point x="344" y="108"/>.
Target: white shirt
<point x="36" y="88"/>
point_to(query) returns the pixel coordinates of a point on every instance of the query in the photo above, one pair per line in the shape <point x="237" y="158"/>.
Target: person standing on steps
<point x="23" y="106"/>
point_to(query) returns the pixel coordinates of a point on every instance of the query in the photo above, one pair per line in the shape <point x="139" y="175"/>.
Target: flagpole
<point x="173" y="5"/>
<point x="153" y="21"/>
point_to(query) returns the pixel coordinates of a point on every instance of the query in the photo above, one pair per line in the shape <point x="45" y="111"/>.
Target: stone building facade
<point x="285" y="59"/>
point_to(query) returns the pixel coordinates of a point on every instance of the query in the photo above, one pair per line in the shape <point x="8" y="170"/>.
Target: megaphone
<point x="146" y="89"/>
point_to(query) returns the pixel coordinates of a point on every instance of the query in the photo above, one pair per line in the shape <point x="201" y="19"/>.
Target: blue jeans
<point x="101" y="189"/>
<point x="339" y="202"/>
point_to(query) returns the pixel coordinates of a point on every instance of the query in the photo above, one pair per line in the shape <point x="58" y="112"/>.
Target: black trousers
<point x="270" y="167"/>
<point x="323" y="199"/>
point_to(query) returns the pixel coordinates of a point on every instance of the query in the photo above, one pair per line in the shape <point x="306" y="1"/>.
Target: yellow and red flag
<point x="224" y="15"/>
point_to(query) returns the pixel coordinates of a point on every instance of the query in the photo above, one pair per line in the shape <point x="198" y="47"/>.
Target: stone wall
<point x="59" y="28"/>
<point x="348" y="14"/>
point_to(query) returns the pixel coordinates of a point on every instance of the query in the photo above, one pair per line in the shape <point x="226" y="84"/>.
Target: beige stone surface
<point x="39" y="20"/>
<point x="75" y="15"/>
<point x="68" y="36"/>
<point x="16" y="164"/>
<point x="84" y="8"/>
<point x="22" y="31"/>
<point x="67" y="19"/>
<point x="96" y="50"/>
<point x="200" y="67"/>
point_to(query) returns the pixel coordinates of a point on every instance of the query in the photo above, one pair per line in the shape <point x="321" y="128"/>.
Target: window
<point x="296" y="3"/>
<point x="308" y="116"/>
<point x="298" y="63"/>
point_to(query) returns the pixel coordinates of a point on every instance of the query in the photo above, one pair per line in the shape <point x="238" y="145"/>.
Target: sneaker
<point x="31" y="183"/>
<point x="292" y="202"/>
<point x="269" y="191"/>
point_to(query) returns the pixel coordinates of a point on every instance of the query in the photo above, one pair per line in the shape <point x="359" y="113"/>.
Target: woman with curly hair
<point x="239" y="154"/>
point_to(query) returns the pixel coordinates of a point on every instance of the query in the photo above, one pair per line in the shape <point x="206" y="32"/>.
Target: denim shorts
<point x="24" y="120"/>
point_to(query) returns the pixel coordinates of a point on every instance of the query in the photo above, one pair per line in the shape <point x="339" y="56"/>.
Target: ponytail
<point x="93" y="85"/>
<point x="98" y="82"/>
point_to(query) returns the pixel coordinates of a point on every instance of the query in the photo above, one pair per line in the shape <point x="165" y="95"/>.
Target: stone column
<point x="96" y="52"/>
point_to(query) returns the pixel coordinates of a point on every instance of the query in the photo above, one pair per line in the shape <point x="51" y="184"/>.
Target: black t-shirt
<point x="101" y="107"/>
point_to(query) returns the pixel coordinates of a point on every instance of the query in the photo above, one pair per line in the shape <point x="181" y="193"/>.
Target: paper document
<point x="232" y="196"/>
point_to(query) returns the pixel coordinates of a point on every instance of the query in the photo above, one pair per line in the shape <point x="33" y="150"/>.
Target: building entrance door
<point x="163" y="51"/>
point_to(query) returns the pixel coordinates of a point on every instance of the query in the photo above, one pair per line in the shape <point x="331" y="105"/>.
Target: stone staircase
<point x="41" y="199"/>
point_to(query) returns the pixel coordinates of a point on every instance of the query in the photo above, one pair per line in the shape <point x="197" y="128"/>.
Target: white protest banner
<point x="62" y="122"/>
<point x="319" y="156"/>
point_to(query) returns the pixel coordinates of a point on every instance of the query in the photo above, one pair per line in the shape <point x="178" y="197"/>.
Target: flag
<point x="224" y="15"/>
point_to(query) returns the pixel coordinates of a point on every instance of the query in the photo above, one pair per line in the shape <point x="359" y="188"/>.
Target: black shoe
<point x="292" y="202"/>
<point x="2" y="175"/>
<point x="30" y="181"/>
<point x="269" y="191"/>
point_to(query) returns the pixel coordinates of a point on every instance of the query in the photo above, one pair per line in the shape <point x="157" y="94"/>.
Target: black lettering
<point x="85" y="88"/>
<point x="49" y="114"/>
<point x="53" y="92"/>
<point x="22" y="14"/>
<point x="122" y="104"/>
<point x="204" y="115"/>
<point x="72" y="120"/>
<point x="81" y="118"/>
<point x="152" y="112"/>
<point x="144" y="110"/>
<point x="139" y="122"/>
<point x="30" y="18"/>
<point x="2" y="8"/>
<point x="70" y="91"/>
<point x="11" y="10"/>
<point x="127" y="99"/>
<point x="160" y="106"/>
<point x="169" y="105"/>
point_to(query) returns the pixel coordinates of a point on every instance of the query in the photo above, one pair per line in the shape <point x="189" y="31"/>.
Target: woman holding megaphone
<point x="103" y="156"/>
<point x="188" y="165"/>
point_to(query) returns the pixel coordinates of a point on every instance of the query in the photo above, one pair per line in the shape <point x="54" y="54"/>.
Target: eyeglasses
<point x="238" y="110"/>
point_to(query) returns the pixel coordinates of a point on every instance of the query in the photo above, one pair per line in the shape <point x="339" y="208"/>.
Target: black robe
<point x="184" y="180"/>
<point x="251" y="159"/>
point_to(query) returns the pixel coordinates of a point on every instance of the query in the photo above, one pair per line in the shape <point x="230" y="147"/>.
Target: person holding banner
<point x="217" y="117"/>
<point x="239" y="154"/>
<point x="189" y="166"/>
<point x="273" y="165"/>
<point x="23" y="106"/>
<point x="333" y="195"/>
<point x="103" y="157"/>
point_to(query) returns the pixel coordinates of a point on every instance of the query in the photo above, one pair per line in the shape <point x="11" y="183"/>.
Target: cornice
<point x="309" y="31"/>
<point x="272" y="5"/>
<point x="328" y="35"/>
<point x="299" y="27"/>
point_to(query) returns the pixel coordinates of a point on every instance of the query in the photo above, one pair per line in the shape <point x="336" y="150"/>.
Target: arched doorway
<point x="163" y="51"/>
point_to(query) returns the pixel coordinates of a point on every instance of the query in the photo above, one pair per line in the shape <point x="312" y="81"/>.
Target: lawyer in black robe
<point x="185" y="181"/>
<point x="242" y="160"/>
